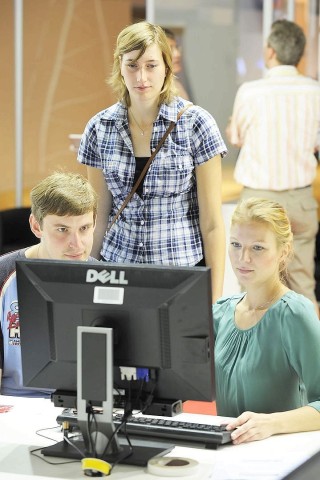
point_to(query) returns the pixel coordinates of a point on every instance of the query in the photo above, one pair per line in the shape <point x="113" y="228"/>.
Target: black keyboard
<point x="209" y="436"/>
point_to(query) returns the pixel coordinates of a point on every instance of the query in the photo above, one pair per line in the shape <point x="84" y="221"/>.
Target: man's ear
<point x="270" y="56"/>
<point x="267" y="51"/>
<point x="35" y="226"/>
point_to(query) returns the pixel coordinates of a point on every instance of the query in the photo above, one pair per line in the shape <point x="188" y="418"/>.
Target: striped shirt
<point x="162" y="226"/>
<point x="276" y="120"/>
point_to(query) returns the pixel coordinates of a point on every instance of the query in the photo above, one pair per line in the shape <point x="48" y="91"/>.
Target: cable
<point x="90" y="419"/>
<point x="149" y="399"/>
<point x="33" y="452"/>
<point x="122" y="424"/>
<point x="72" y="444"/>
<point x="43" y="430"/>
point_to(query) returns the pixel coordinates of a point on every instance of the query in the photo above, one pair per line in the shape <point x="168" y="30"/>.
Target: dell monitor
<point x="161" y="323"/>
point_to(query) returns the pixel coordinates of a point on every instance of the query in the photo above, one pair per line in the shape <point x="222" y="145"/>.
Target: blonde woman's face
<point x="144" y="77"/>
<point x="254" y="253"/>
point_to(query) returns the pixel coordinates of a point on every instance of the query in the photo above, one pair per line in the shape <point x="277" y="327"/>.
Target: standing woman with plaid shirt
<point x="175" y="217"/>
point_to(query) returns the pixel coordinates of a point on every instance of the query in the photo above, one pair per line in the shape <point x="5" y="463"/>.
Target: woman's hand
<point x="251" y="426"/>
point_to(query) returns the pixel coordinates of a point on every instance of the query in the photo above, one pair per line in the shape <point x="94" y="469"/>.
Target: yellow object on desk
<point x="96" y="465"/>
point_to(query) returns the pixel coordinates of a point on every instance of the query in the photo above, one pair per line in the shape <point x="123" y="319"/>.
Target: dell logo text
<point x="106" y="277"/>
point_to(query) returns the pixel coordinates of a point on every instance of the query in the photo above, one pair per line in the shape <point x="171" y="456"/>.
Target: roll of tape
<point x="172" y="466"/>
<point x="95" y="467"/>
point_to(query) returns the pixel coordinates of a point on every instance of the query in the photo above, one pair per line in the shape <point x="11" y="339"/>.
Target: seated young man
<point x="63" y="216"/>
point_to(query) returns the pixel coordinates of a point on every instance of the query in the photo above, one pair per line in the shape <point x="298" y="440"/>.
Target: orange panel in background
<point x="204" y="408"/>
<point x="67" y="56"/>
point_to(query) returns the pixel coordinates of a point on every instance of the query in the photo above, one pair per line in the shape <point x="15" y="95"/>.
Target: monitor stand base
<point x="141" y="451"/>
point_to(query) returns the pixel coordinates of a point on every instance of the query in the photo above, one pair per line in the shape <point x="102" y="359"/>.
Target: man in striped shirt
<point x="276" y="124"/>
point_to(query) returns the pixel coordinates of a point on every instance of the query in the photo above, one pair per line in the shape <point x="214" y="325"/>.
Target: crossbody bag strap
<point x="147" y="165"/>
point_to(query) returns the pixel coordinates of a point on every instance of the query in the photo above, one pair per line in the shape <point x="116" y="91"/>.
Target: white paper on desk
<point x="253" y="469"/>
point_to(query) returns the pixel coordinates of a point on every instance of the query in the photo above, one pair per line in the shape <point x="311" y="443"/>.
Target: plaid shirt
<point x="162" y="227"/>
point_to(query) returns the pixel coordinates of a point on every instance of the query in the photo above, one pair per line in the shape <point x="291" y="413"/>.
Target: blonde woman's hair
<point x="63" y="194"/>
<point x="140" y="36"/>
<point x="271" y="214"/>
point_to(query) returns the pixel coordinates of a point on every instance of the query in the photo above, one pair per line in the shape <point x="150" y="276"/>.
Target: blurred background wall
<point x="67" y="54"/>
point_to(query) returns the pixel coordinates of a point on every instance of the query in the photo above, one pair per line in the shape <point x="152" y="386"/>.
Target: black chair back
<point x="15" y="231"/>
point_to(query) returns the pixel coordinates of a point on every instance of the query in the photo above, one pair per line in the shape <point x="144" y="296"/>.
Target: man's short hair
<point x="63" y="194"/>
<point x="288" y="41"/>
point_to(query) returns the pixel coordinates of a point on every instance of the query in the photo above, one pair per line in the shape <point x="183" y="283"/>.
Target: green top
<point x="271" y="367"/>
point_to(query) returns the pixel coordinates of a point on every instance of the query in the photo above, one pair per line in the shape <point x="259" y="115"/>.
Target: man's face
<point x="65" y="237"/>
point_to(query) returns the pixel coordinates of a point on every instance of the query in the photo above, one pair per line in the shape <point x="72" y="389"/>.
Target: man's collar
<point x="282" y="71"/>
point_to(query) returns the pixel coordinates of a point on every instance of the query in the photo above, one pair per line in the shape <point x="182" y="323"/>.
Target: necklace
<point x="263" y="306"/>
<point x="135" y="121"/>
<point x="247" y="317"/>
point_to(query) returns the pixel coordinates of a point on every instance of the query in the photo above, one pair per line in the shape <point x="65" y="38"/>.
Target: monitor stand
<point x="140" y="455"/>
<point x="95" y="385"/>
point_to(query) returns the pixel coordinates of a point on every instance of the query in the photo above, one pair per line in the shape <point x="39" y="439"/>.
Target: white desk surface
<point x="268" y="459"/>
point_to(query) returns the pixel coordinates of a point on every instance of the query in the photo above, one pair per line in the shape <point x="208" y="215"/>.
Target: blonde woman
<point x="267" y="339"/>
<point x="175" y="216"/>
